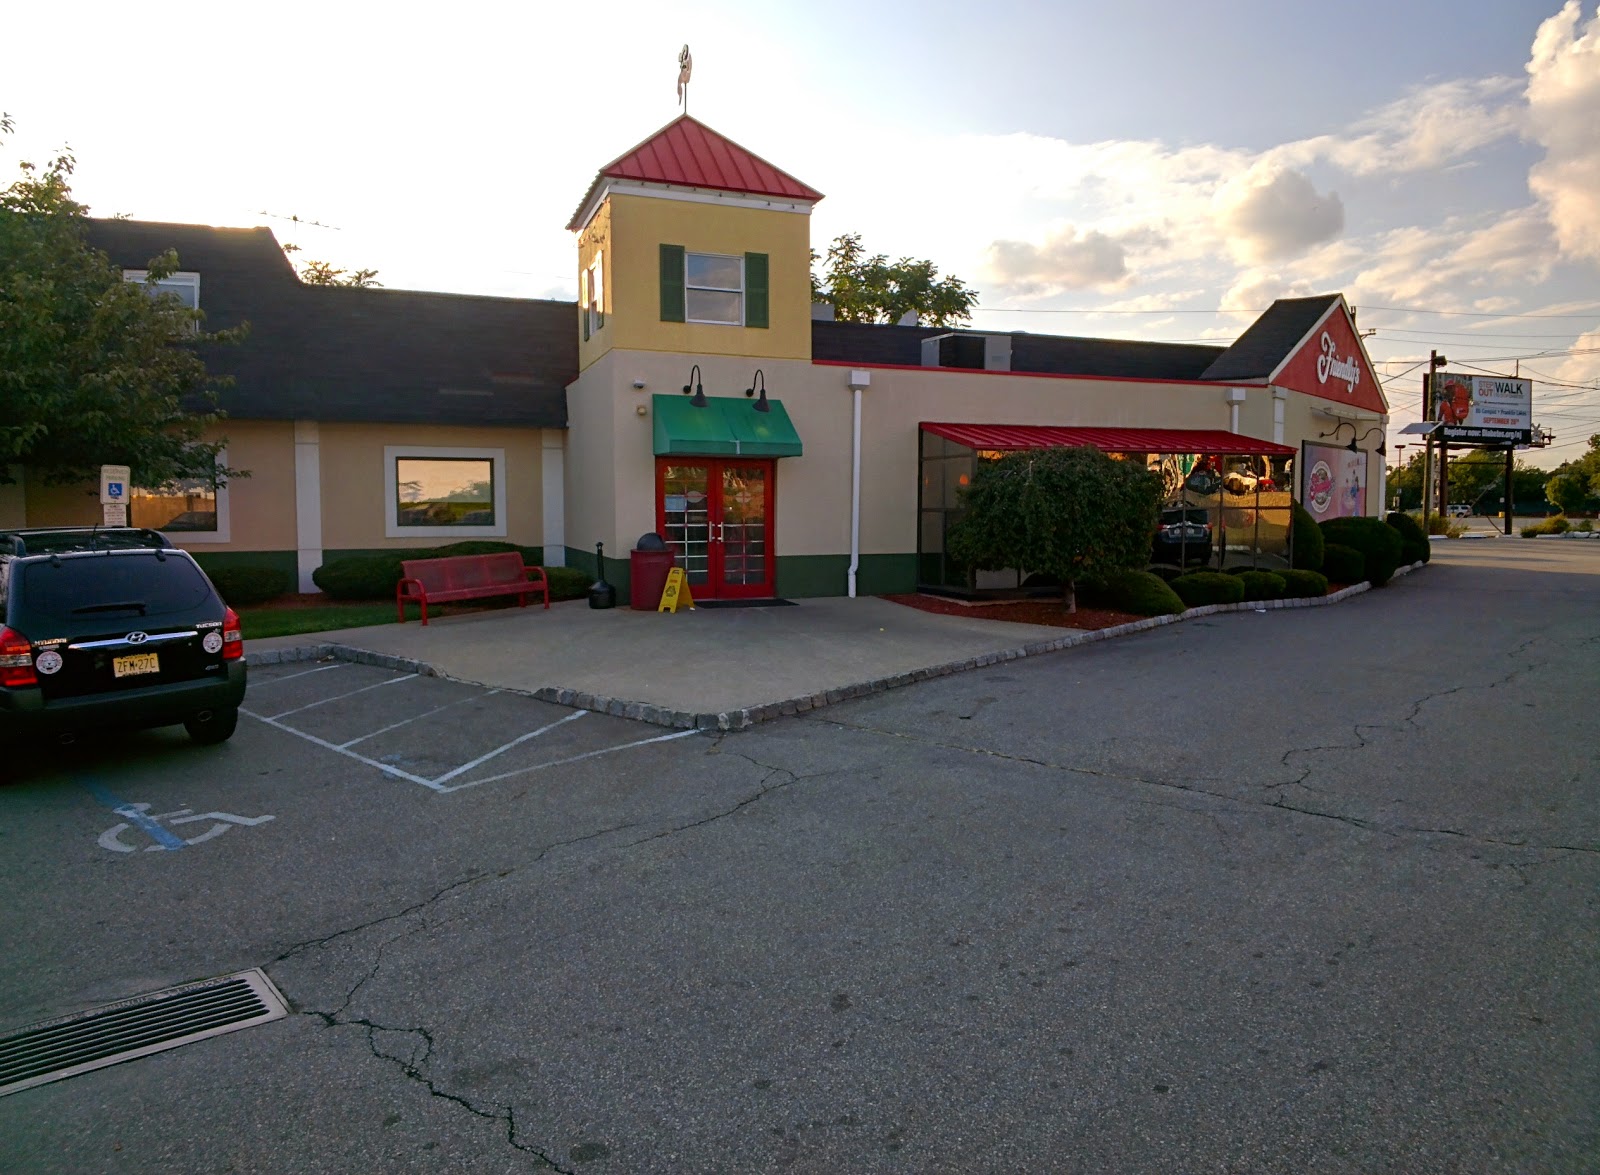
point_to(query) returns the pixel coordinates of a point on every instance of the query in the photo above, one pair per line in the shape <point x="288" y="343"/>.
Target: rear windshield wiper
<point x="125" y="606"/>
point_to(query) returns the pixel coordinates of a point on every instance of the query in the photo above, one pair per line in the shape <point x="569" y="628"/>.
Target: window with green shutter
<point x="672" y="297"/>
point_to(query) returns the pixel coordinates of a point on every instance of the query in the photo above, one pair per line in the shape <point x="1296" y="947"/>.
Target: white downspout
<point x="858" y="381"/>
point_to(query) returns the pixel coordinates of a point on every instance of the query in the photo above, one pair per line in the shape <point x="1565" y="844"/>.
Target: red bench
<point x="467" y="577"/>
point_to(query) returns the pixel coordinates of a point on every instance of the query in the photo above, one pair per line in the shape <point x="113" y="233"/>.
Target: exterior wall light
<point x="695" y="386"/>
<point x="759" y="378"/>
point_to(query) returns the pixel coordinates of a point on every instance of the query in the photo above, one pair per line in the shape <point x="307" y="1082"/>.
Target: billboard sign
<point x="1482" y="409"/>
<point x="1333" y="481"/>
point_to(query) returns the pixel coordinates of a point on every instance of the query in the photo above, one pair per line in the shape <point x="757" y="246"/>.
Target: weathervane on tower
<point x="685" y="68"/>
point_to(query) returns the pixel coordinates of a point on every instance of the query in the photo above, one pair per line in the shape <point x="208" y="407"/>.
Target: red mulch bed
<point x="1019" y="611"/>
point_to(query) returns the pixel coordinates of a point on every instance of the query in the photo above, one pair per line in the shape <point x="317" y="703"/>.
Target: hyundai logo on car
<point x="137" y="638"/>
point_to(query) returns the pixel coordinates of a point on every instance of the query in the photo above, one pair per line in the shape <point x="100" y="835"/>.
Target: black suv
<point x="110" y="627"/>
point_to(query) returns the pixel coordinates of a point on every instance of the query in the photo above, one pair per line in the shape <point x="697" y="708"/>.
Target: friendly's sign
<point x="1482" y="409"/>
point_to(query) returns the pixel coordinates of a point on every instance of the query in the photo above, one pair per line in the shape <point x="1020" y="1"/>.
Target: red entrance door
<point x="718" y="513"/>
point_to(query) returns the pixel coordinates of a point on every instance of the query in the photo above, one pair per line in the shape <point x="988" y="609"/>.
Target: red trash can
<point x="647" y="576"/>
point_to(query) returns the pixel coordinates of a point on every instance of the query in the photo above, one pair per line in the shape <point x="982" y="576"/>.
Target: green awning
<point x="726" y="427"/>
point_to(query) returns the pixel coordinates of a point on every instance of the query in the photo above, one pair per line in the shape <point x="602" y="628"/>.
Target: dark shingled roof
<point x="852" y="342"/>
<point x="1270" y="339"/>
<point x="369" y="355"/>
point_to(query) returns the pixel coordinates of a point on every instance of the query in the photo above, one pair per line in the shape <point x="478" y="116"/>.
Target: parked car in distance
<point x="1182" y="537"/>
<point x="1458" y="510"/>
<point x="107" y="628"/>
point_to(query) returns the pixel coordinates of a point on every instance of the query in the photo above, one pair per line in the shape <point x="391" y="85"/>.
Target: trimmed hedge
<point x="1343" y="564"/>
<point x="1142" y="593"/>
<point x="1301" y="585"/>
<point x="1414" y="544"/>
<point x="1307" y="539"/>
<point x="1378" y="542"/>
<point x="1262" y="585"/>
<point x="1209" y="587"/>
<point x="373" y="577"/>
<point x="240" y="587"/>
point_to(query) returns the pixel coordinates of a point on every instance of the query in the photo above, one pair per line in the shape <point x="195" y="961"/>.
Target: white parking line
<point x="351" y="694"/>
<point x="660" y="738"/>
<point x="338" y="750"/>
<point x="425" y="714"/>
<point x="255" y="685"/>
<point x="481" y="759"/>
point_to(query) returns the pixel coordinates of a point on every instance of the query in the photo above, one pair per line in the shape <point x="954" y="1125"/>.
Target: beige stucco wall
<point x="611" y="479"/>
<point x="261" y="506"/>
<point x="14" y="500"/>
<point x="353" y="492"/>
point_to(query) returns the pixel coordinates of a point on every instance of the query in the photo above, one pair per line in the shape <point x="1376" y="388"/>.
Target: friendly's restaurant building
<point x="808" y="457"/>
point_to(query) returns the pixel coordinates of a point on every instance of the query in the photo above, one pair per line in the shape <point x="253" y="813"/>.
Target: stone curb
<point x="748" y="716"/>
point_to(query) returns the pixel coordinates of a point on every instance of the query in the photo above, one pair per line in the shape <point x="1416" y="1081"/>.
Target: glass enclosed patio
<point x="1226" y="500"/>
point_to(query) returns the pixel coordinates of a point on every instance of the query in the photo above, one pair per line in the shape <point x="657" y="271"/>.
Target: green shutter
<point x="755" y="290"/>
<point x="672" y="283"/>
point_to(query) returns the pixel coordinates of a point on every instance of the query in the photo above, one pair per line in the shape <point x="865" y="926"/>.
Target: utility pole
<point x="1435" y="361"/>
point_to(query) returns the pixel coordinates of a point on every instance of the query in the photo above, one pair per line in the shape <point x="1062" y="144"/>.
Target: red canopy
<point x="1112" y="440"/>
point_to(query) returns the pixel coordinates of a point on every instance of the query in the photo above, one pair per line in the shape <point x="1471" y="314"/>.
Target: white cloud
<point x="1066" y="260"/>
<point x="1272" y="213"/>
<point x="1564" y="117"/>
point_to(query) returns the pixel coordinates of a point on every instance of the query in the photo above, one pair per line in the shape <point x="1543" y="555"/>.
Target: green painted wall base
<point x="828" y="575"/>
<point x="798" y="575"/>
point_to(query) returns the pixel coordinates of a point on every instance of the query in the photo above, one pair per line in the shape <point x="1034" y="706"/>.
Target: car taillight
<point x="232" y="638"/>
<point x="16" y="659"/>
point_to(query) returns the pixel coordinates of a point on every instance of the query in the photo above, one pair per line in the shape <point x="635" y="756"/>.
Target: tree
<point x="324" y="273"/>
<point x="874" y="289"/>
<point x="93" y="369"/>
<point x="1569" y="492"/>
<point x="1074" y="514"/>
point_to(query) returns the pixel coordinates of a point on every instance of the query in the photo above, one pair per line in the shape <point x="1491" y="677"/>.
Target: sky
<point x="1149" y="169"/>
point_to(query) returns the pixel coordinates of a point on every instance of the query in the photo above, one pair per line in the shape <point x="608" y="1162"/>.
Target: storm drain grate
<point x="135" y="1028"/>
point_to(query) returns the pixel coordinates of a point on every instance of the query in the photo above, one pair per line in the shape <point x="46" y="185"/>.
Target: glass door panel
<point x="686" y="517"/>
<point x="743" y="529"/>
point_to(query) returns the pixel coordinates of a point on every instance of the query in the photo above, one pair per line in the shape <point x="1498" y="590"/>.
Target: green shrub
<point x="1378" y="542"/>
<point x="1555" y="524"/>
<point x="1262" y="585"/>
<point x="1142" y="593"/>
<point x="241" y="587"/>
<point x="1299" y="585"/>
<point x="1164" y="572"/>
<point x="1343" y="564"/>
<point x="1307" y="539"/>
<point x="1584" y="526"/>
<point x="1208" y="587"/>
<point x="1452" y="528"/>
<point x="1414" y="545"/>
<point x="568" y="583"/>
<point x="373" y="577"/>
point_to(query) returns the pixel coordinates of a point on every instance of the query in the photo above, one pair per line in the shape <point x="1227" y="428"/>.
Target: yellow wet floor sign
<point x="675" y="592"/>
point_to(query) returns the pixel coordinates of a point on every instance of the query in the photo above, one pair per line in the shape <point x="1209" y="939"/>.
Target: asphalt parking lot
<point x="1279" y="892"/>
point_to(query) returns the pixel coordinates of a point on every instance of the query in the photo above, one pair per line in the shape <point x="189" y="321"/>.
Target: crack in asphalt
<point x="1225" y="797"/>
<point x="413" y="1067"/>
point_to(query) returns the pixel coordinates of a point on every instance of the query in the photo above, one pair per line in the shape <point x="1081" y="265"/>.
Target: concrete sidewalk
<point x="725" y="668"/>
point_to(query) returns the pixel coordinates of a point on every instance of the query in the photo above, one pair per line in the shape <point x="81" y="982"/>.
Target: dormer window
<point x="183" y="286"/>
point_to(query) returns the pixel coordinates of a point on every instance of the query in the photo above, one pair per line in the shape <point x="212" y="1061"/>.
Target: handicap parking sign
<point x="114" y="489"/>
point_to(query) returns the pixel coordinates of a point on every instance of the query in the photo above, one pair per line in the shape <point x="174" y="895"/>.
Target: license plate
<point x="137" y="663"/>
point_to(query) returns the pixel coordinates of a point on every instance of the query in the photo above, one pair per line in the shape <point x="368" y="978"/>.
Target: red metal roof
<point x="1112" y="440"/>
<point x="691" y="154"/>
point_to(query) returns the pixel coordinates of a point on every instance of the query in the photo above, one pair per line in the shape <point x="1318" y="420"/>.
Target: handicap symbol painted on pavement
<point x="138" y="816"/>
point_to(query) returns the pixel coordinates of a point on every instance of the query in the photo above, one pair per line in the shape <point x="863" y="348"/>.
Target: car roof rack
<point x="61" y="539"/>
